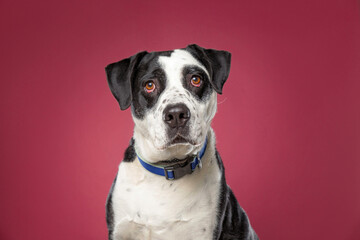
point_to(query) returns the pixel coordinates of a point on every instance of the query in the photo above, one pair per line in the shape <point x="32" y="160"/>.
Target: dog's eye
<point x="149" y="86"/>
<point x="196" y="81"/>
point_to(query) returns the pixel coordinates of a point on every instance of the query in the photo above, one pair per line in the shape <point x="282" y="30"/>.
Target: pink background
<point x="287" y="125"/>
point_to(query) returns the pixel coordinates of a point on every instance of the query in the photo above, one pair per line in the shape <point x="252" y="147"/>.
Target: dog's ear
<point x="217" y="63"/>
<point x="119" y="77"/>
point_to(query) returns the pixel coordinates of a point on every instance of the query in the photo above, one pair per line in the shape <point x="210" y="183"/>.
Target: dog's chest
<point x="147" y="206"/>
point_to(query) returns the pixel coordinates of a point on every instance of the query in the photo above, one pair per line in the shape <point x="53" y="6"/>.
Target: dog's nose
<point x="176" y="115"/>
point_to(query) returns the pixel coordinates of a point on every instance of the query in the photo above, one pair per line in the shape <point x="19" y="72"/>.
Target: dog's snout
<point x="176" y="115"/>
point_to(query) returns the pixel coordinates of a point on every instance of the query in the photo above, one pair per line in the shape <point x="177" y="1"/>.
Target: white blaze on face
<point x="150" y="133"/>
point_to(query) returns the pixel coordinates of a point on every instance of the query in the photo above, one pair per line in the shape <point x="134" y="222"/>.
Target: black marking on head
<point x="216" y="62"/>
<point x="148" y="69"/>
<point x="127" y="77"/>
<point x="120" y="75"/>
<point x="127" y="80"/>
<point x="138" y="214"/>
<point x="204" y="229"/>
<point x="130" y="154"/>
<point x="204" y="90"/>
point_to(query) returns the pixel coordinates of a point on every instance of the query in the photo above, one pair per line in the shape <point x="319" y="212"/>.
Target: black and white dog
<point x="171" y="182"/>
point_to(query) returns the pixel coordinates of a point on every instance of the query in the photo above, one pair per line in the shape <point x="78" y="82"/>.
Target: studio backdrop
<point x="287" y="126"/>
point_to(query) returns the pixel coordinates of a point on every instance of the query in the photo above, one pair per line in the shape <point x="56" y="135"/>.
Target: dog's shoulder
<point x="110" y="210"/>
<point x="232" y="222"/>
<point x="129" y="156"/>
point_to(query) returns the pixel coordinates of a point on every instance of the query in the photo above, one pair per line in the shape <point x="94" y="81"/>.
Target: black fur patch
<point x="204" y="90"/>
<point x="222" y="197"/>
<point x="232" y="222"/>
<point x="216" y="62"/>
<point x="148" y="69"/>
<point x="130" y="154"/>
<point x="110" y="211"/>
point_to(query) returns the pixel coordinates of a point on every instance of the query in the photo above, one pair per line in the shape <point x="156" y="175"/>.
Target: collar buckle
<point x="179" y="170"/>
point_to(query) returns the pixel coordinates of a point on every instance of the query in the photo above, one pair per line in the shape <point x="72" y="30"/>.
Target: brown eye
<point x="196" y="81"/>
<point x="149" y="86"/>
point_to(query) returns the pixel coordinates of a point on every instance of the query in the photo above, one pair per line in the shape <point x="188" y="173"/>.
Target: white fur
<point x="147" y="206"/>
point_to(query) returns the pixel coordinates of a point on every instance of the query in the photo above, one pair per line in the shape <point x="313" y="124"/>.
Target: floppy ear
<point x="217" y="62"/>
<point x="119" y="77"/>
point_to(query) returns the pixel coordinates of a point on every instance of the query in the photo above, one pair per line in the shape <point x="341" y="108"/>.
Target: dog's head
<point x="172" y="95"/>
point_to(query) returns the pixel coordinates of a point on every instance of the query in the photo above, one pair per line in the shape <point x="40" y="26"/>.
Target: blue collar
<point x="178" y="170"/>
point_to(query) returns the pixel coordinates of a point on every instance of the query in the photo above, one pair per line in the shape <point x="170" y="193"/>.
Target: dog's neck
<point x="147" y="151"/>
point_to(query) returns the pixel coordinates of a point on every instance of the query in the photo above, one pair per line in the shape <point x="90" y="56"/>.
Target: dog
<point x="171" y="182"/>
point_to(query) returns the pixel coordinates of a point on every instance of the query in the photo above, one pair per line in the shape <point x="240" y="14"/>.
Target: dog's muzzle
<point x="176" y="116"/>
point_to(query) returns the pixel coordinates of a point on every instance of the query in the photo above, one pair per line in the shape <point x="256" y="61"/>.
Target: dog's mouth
<point x="179" y="136"/>
<point x="178" y="139"/>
